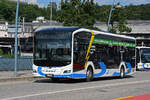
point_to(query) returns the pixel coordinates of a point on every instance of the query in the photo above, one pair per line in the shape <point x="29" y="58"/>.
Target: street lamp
<point x="51" y="11"/>
<point x="110" y="13"/>
<point x="16" y="40"/>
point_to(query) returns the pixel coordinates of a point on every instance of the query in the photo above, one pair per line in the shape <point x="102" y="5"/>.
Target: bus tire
<point x="122" y="72"/>
<point x="89" y="74"/>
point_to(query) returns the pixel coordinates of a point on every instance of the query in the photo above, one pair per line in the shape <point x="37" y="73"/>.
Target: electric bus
<point x="80" y="53"/>
<point x="143" y="57"/>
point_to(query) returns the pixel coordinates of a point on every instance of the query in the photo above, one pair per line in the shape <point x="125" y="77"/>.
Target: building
<point x="25" y="34"/>
<point x="3" y="29"/>
<point x="140" y="30"/>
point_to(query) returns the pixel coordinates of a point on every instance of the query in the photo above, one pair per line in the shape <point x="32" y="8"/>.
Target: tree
<point x="7" y="11"/>
<point x="30" y="12"/>
<point x="77" y="13"/>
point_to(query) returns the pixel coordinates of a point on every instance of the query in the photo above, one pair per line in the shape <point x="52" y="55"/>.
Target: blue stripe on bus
<point x="63" y="76"/>
<point x="144" y="66"/>
<point x="103" y="71"/>
<point x="40" y="72"/>
<point x="102" y="65"/>
<point x="116" y="74"/>
<point x="78" y="75"/>
<point x="129" y="67"/>
<point x="72" y="76"/>
<point x="103" y="68"/>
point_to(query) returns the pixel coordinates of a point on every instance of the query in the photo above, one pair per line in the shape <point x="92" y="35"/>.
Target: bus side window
<point x="137" y="55"/>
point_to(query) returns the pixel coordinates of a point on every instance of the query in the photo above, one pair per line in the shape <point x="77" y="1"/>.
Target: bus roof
<point x="116" y="35"/>
<point x="78" y="29"/>
<point x="106" y="33"/>
<point x="58" y="29"/>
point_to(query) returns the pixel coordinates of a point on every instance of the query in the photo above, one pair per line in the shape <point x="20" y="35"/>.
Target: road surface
<point x="99" y="89"/>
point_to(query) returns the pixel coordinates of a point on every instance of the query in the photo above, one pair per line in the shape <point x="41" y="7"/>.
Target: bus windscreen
<point x="52" y="48"/>
<point x="145" y="55"/>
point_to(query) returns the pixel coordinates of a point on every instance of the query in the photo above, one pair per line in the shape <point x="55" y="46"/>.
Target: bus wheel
<point x="122" y="72"/>
<point x="89" y="74"/>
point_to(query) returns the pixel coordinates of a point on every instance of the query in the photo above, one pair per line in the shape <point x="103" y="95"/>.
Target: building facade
<point x="140" y="30"/>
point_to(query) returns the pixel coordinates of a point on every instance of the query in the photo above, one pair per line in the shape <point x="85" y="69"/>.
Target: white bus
<point x="75" y="53"/>
<point x="143" y="57"/>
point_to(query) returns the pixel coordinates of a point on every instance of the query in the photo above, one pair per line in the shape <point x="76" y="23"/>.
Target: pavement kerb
<point x="30" y="78"/>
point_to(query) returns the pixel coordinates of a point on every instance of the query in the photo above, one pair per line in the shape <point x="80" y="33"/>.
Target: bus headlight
<point x="140" y="66"/>
<point x="67" y="71"/>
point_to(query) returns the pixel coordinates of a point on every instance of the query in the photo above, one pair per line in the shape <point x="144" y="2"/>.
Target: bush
<point x="1" y="52"/>
<point x="9" y="55"/>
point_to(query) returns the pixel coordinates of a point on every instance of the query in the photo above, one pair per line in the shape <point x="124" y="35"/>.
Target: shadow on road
<point x="71" y="81"/>
<point x="144" y="70"/>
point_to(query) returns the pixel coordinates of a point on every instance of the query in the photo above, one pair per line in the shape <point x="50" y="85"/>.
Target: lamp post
<point x="110" y="13"/>
<point x="51" y="11"/>
<point x="16" y="40"/>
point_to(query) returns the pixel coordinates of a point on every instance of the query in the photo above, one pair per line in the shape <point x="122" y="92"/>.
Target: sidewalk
<point x="21" y="75"/>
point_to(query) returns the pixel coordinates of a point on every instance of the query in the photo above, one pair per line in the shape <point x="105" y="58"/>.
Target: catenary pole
<point x="16" y="40"/>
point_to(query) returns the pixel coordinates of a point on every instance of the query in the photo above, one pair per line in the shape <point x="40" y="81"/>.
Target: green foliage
<point x="30" y="12"/>
<point x="138" y="12"/>
<point x="1" y="52"/>
<point x="78" y="13"/>
<point x="7" y="11"/>
<point x="9" y="55"/>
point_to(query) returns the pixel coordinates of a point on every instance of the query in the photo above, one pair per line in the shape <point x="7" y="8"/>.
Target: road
<point x="99" y="89"/>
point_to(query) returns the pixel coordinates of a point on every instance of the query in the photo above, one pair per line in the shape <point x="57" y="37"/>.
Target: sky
<point x="105" y="2"/>
<point x="123" y="2"/>
<point x="100" y="2"/>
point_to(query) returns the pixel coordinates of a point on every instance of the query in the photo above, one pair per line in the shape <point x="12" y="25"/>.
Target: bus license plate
<point x="49" y="75"/>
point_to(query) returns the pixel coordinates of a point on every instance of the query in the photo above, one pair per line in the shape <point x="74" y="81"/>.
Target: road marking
<point x="78" y="89"/>
<point x="123" y="98"/>
<point x="140" y="97"/>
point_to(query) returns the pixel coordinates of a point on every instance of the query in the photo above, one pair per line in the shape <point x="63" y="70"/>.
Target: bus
<point x="143" y="57"/>
<point x="80" y="53"/>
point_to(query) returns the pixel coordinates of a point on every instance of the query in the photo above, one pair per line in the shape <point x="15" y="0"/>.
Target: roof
<point x="78" y="29"/>
<point x="105" y="33"/>
<point x="58" y="29"/>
